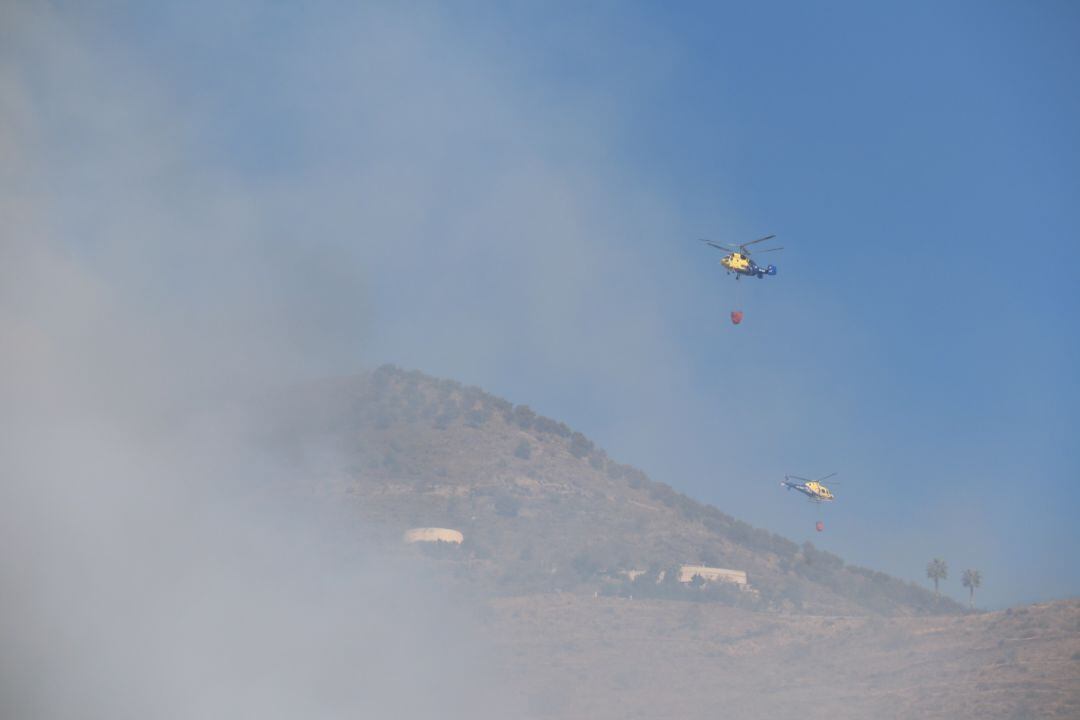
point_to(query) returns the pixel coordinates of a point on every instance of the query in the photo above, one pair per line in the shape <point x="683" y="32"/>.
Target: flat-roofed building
<point x="712" y="574"/>
<point x="429" y="534"/>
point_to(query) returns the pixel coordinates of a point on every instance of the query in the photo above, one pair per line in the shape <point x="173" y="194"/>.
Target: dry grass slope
<point x="615" y="658"/>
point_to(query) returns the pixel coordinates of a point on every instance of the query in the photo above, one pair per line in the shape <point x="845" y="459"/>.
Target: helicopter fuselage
<point x="741" y="264"/>
<point x="812" y="489"/>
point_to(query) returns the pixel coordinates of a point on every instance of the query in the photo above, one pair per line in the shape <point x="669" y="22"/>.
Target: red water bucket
<point x="820" y="526"/>
<point x="736" y="316"/>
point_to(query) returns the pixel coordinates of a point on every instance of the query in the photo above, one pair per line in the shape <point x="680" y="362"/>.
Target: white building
<point x="446" y="535"/>
<point x="711" y="574"/>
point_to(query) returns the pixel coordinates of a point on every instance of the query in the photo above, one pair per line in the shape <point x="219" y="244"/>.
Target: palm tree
<point x="937" y="570"/>
<point x="971" y="580"/>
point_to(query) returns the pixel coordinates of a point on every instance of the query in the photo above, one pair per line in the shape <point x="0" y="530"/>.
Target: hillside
<point x="552" y="528"/>
<point x="575" y="657"/>
<point x="543" y="509"/>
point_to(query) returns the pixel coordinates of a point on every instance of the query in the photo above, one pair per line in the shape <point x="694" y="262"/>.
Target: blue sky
<point x="511" y="195"/>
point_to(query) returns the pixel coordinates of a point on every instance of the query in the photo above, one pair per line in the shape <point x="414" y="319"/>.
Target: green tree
<point x="937" y="570"/>
<point x="972" y="579"/>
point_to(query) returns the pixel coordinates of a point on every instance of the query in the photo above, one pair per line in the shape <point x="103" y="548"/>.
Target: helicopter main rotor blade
<point x="718" y="246"/>
<point x="826" y="477"/>
<point x="796" y="477"/>
<point x="769" y="250"/>
<point x="753" y="242"/>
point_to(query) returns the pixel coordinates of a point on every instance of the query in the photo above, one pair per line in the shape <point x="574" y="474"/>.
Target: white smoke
<point x="154" y="561"/>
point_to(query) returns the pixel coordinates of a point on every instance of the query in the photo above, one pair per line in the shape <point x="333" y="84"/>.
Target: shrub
<point x="551" y="427"/>
<point x="580" y="446"/>
<point x="497" y="404"/>
<point x="523" y="450"/>
<point x="476" y="418"/>
<point x="635" y="478"/>
<point x="524" y="416"/>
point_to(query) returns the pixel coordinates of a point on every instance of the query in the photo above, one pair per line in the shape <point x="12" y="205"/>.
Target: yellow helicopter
<point x="812" y="489"/>
<point x="737" y="260"/>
